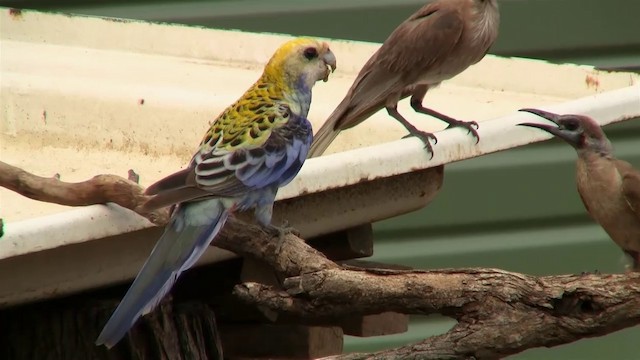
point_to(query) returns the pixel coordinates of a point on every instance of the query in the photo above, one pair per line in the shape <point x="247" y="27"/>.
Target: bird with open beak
<point x="609" y="188"/>
<point x="439" y="41"/>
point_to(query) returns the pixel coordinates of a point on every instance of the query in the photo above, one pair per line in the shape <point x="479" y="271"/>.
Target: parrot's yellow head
<point x="301" y="62"/>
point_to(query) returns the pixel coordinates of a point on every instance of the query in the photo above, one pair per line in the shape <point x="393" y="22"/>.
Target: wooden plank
<point x="280" y="341"/>
<point x="356" y="242"/>
<point x="365" y="264"/>
<point x="254" y="270"/>
<point x="386" y="323"/>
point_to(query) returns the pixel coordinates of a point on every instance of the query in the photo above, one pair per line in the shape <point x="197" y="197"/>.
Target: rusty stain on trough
<point x="15" y="13"/>
<point x="592" y="81"/>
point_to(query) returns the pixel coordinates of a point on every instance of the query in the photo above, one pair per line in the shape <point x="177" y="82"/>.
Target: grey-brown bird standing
<point x="436" y="43"/>
<point x="609" y="188"/>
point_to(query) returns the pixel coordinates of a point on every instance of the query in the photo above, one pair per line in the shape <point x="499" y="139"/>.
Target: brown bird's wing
<point x="420" y="43"/>
<point x="630" y="185"/>
<point x="584" y="202"/>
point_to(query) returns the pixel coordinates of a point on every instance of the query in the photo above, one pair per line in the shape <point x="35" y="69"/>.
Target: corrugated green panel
<point x="595" y="32"/>
<point x="503" y="189"/>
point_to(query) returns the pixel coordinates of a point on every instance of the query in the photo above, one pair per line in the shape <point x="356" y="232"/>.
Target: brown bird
<point x="609" y="188"/>
<point x="436" y="43"/>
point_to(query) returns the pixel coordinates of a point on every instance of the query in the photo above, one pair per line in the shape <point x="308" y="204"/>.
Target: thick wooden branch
<point x="294" y="258"/>
<point x="100" y="189"/>
<point x="498" y="312"/>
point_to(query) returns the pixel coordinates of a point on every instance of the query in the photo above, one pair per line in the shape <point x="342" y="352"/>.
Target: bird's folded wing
<point x="631" y="190"/>
<point x="228" y="173"/>
<point x="630" y="185"/>
<point x="420" y="43"/>
<point x="423" y="40"/>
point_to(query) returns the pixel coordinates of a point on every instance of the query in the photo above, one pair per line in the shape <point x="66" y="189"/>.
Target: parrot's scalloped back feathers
<point x="256" y="145"/>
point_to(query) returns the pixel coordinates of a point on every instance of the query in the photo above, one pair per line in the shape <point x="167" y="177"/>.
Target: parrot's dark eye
<point x="310" y="53"/>
<point x="571" y="125"/>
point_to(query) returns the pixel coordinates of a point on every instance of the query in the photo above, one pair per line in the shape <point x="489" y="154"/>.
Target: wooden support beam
<point x="280" y="341"/>
<point x="356" y="242"/>
<point x="386" y="323"/>
<point x="366" y="264"/>
<point x="254" y="270"/>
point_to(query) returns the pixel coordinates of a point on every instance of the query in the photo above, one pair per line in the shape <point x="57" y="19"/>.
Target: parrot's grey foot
<point x="281" y="232"/>
<point x="471" y="126"/>
<point x="425" y="137"/>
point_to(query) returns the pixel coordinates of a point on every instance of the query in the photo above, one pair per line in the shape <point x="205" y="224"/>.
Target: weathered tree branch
<point x="100" y="189"/>
<point x="498" y="312"/>
<point x="295" y="256"/>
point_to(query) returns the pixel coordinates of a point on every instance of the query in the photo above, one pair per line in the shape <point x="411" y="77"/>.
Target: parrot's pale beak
<point x="330" y="61"/>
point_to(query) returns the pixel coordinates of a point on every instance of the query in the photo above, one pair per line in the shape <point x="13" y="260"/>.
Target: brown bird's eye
<point x="571" y="125"/>
<point x="310" y="53"/>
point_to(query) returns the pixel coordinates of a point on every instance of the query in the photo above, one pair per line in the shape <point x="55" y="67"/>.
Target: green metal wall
<point x="517" y="210"/>
<point x="596" y="32"/>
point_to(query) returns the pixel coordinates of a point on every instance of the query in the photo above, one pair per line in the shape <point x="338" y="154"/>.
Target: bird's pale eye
<point x="310" y="53"/>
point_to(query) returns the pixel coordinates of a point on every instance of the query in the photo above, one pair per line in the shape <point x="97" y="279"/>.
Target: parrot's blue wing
<point x="274" y="163"/>
<point x="223" y="173"/>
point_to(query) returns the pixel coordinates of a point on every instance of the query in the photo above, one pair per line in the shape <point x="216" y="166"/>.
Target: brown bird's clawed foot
<point x="280" y="232"/>
<point x="635" y="260"/>
<point x="471" y="126"/>
<point x="425" y="137"/>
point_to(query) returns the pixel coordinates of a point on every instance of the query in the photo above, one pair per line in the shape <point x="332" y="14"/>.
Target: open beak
<point x="329" y="60"/>
<point x="547" y="115"/>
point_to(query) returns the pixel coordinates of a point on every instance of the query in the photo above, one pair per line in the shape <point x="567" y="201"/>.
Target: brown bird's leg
<point x="416" y="104"/>
<point x="426" y="137"/>
<point x="635" y="258"/>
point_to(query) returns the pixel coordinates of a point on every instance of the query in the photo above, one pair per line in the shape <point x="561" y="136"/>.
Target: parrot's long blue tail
<point x="186" y="237"/>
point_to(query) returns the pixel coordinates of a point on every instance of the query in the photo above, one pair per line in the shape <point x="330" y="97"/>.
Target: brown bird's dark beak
<point x="544" y="114"/>
<point x="554" y="130"/>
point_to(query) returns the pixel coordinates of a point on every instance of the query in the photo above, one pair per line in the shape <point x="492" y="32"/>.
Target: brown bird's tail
<point x="329" y="130"/>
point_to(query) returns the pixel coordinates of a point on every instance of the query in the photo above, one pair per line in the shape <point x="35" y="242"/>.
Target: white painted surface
<point x="71" y="103"/>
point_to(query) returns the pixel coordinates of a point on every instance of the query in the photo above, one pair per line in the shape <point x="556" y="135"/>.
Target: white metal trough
<point x="82" y="96"/>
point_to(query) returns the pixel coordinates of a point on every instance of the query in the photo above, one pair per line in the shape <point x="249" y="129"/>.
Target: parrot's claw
<point x="280" y="232"/>
<point x="425" y="137"/>
<point x="471" y="126"/>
